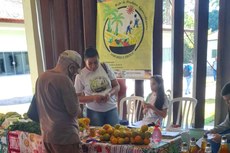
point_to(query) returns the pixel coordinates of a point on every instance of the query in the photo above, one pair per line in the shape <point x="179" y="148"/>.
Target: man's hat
<point x="73" y="56"/>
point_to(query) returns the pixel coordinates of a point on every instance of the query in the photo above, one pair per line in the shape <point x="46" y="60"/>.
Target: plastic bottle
<point x="156" y="136"/>
<point x="203" y="144"/>
<point x="224" y="145"/>
<point x="208" y="148"/>
<point x="193" y="148"/>
<point x="184" y="148"/>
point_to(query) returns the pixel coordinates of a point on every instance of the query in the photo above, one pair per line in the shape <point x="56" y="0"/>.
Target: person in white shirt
<point x="156" y="104"/>
<point x="97" y="87"/>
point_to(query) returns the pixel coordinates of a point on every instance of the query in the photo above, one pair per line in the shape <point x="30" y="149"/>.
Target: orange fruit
<point x="122" y="134"/>
<point x="116" y="133"/>
<point x="111" y="137"/>
<point x="121" y="140"/>
<point x="117" y="126"/>
<point x="102" y="131"/>
<point x="126" y="140"/>
<point x="144" y="128"/>
<point x="106" y="126"/>
<point x="142" y="135"/>
<point x="147" y="134"/>
<point x="110" y="130"/>
<point x="86" y="121"/>
<point x="132" y="140"/>
<point x="128" y="134"/>
<point x="114" y="140"/>
<point x="101" y="138"/>
<point x="146" y="141"/>
<point x="138" y="139"/>
<point x="134" y="134"/>
<point x="106" y="137"/>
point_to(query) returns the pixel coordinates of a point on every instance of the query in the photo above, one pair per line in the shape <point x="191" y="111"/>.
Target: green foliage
<point x="9" y="115"/>
<point x="31" y="127"/>
<point x="25" y="116"/>
<point x="12" y="115"/>
<point x="188" y="53"/>
<point x="213" y="20"/>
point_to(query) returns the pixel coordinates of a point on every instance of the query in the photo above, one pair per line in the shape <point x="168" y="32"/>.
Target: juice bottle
<point x="203" y="144"/>
<point x="208" y="148"/>
<point x="184" y="148"/>
<point x="156" y="136"/>
<point x="224" y="145"/>
<point x="193" y="148"/>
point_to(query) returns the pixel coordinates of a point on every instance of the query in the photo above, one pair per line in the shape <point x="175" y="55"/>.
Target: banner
<point x="124" y="36"/>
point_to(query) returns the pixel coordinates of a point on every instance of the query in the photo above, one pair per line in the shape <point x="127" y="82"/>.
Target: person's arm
<point x="115" y="85"/>
<point x="225" y="125"/>
<point x="162" y="113"/>
<point x="70" y="98"/>
<point x="115" y="88"/>
<point x="88" y="99"/>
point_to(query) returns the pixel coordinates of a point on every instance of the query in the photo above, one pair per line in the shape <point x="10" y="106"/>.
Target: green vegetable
<point x="31" y="127"/>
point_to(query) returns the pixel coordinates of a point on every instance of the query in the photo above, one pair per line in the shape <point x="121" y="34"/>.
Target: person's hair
<point x="91" y="52"/>
<point x="160" y="91"/>
<point x="226" y="89"/>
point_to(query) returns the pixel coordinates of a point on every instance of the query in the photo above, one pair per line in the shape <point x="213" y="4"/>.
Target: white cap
<point x="72" y="55"/>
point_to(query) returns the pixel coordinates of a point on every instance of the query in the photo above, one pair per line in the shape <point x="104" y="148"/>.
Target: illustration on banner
<point x="123" y="29"/>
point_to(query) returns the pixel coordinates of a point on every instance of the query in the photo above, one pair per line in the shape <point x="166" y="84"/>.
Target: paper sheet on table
<point x="170" y="133"/>
<point x="210" y="136"/>
<point x="137" y="124"/>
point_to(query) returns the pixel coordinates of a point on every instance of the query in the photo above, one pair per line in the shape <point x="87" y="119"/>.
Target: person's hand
<point x="107" y="96"/>
<point x="145" y="111"/>
<point x="99" y="98"/>
<point x="211" y="131"/>
<point x="217" y="138"/>
<point x="148" y="106"/>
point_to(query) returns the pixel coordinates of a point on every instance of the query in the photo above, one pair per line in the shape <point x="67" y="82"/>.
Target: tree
<point x="213" y="20"/>
<point x="109" y="12"/>
<point x="118" y="20"/>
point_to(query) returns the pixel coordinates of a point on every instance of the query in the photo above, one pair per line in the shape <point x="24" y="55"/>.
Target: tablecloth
<point x="165" y="146"/>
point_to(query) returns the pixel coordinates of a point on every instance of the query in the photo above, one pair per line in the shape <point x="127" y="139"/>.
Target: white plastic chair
<point x="186" y="110"/>
<point x="133" y="105"/>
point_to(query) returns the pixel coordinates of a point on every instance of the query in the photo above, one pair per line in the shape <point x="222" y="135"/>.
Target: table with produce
<point x="19" y="134"/>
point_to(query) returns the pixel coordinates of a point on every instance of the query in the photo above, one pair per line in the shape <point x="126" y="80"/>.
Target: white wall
<point x="12" y="37"/>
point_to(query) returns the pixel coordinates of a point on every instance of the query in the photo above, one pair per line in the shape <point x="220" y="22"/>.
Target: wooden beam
<point x="75" y="25"/>
<point x="89" y="22"/>
<point x="157" y="38"/>
<point x="178" y="47"/>
<point x="177" y="52"/>
<point x="223" y="62"/>
<point x="200" y="59"/>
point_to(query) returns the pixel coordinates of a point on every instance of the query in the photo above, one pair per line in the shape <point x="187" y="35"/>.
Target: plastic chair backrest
<point x="133" y="105"/>
<point x="186" y="110"/>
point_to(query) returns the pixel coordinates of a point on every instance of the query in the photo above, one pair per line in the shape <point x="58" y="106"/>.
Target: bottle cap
<point x="205" y="136"/>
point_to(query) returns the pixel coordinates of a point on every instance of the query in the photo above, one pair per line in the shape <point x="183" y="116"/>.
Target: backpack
<point x="186" y="71"/>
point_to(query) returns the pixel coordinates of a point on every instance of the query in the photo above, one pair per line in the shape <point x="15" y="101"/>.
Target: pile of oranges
<point x="141" y="136"/>
<point x="83" y="124"/>
<point x="122" y="135"/>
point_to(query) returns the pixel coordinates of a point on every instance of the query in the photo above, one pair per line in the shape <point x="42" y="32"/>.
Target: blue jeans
<point x="101" y="118"/>
<point x="214" y="74"/>
<point x="188" y="82"/>
<point x="215" y="146"/>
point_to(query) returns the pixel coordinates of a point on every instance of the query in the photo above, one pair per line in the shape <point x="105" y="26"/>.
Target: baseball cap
<point x="73" y="56"/>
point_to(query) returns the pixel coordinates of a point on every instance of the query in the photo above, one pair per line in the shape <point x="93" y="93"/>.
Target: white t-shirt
<point x="96" y="82"/>
<point x="151" y="116"/>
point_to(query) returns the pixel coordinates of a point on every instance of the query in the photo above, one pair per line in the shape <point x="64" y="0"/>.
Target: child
<point x="156" y="105"/>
